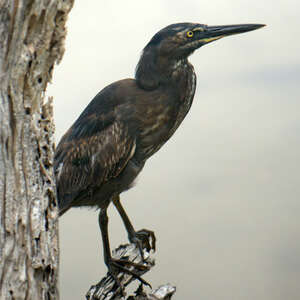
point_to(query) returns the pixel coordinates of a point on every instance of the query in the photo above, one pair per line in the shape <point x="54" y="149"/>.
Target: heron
<point x="126" y="123"/>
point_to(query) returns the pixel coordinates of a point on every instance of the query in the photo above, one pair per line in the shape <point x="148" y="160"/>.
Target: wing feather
<point x="89" y="155"/>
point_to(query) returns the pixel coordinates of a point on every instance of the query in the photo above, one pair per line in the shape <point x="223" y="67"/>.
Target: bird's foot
<point x="144" y="239"/>
<point x="117" y="266"/>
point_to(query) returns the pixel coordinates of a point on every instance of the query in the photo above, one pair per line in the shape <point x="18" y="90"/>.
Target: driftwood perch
<point x="106" y="288"/>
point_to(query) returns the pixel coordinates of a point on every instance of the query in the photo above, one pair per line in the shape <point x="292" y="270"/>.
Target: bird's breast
<point x="161" y="119"/>
<point x="187" y="87"/>
<point x="155" y="129"/>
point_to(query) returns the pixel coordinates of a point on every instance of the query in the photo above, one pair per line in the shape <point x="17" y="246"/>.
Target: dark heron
<point x="106" y="148"/>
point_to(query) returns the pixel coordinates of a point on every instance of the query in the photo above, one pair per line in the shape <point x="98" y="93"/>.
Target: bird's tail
<point x="63" y="210"/>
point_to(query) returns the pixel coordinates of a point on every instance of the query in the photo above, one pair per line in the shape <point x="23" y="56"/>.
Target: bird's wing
<point x="92" y="152"/>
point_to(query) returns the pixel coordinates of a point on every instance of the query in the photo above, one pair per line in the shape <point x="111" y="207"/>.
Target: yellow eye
<point x="190" y="34"/>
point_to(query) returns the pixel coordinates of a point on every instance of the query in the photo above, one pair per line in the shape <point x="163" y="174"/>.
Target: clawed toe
<point x="124" y="262"/>
<point x="148" y="238"/>
<point x="117" y="266"/>
<point x="144" y="239"/>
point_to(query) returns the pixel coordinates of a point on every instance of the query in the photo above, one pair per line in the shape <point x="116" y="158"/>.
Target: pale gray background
<point x="223" y="194"/>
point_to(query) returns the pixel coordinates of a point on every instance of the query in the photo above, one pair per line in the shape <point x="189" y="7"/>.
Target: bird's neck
<point x="167" y="106"/>
<point x="153" y="70"/>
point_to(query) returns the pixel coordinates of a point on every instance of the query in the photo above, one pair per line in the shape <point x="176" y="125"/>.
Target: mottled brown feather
<point x="86" y="163"/>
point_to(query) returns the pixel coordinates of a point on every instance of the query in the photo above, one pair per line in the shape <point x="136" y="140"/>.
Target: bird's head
<point x="176" y="42"/>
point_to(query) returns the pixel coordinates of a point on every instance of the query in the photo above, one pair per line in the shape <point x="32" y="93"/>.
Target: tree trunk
<point x="32" y="34"/>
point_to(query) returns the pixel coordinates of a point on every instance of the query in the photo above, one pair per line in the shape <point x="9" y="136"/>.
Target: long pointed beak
<point x="214" y="33"/>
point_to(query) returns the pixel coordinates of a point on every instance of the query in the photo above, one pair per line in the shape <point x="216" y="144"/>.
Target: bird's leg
<point x="142" y="237"/>
<point x="115" y="266"/>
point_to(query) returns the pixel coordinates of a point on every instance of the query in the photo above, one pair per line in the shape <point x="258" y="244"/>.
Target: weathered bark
<point x="32" y="34"/>
<point x="107" y="290"/>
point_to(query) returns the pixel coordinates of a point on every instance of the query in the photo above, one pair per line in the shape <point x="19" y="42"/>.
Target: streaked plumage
<point x="123" y="123"/>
